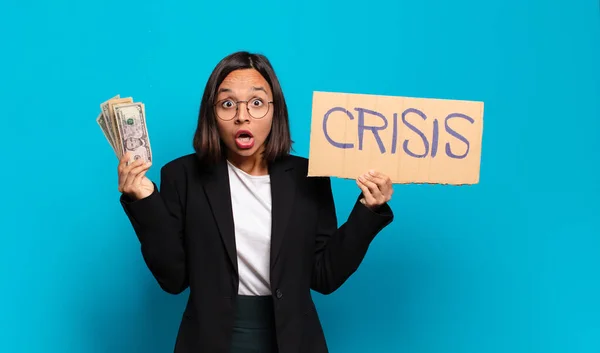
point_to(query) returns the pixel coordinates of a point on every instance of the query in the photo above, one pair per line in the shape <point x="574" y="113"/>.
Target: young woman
<point x="241" y="224"/>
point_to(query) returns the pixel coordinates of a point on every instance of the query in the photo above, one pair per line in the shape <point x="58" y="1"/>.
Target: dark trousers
<point x="254" y="326"/>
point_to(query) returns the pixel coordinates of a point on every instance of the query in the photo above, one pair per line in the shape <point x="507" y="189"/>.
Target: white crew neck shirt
<point x="251" y="205"/>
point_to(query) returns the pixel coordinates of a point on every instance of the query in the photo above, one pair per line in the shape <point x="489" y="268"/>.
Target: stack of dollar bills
<point x="123" y="123"/>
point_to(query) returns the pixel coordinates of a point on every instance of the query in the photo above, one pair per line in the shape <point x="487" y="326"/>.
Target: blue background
<point x="509" y="265"/>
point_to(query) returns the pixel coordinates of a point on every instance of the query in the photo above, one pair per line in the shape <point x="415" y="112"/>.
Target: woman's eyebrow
<point x="259" y="89"/>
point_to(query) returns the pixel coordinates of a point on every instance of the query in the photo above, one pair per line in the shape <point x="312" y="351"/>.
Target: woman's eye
<point x="227" y="104"/>
<point x="257" y="103"/>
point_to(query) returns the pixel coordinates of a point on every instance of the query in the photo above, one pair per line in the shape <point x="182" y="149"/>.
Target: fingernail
<point x="372" y="172"/>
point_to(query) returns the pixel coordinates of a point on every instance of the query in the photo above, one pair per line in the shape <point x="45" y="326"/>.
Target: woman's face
<point x="245" y="129"/>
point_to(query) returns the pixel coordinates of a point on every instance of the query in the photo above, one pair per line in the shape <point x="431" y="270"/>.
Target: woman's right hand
<point x="132" y="178"/>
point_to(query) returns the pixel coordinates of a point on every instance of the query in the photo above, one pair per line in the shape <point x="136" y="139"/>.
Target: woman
<point x="241" y="224"/>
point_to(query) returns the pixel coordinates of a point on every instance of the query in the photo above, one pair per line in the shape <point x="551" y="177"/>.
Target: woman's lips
<point x="244" y="139"/>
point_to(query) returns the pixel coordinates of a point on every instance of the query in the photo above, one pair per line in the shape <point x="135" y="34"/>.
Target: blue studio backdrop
<point x="509" y="265"/>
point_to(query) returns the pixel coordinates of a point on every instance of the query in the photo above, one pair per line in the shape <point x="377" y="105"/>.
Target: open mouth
<point x="244" y="139"/>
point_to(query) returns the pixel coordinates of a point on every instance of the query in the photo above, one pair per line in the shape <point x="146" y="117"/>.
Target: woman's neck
<point x="253" y="165"/>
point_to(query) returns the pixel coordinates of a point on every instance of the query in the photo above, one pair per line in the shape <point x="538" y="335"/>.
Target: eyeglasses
<point x="227" y="109"/>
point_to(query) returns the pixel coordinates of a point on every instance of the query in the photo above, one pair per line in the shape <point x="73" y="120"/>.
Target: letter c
<point x="331" y="141"/>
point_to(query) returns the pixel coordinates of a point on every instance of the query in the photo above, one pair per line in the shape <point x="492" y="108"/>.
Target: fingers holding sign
<point x="376" y="188"/>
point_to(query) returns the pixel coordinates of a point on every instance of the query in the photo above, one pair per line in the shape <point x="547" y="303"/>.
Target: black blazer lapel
<point x="283" y="189"/>
<point x="218" y="193"/>
<point x="216" y="187"/>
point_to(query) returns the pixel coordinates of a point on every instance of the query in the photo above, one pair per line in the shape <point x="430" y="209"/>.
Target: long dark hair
<point x="207" y="142"/>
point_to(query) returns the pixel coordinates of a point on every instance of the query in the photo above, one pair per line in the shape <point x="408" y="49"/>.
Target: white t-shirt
<point x="251" y="202"/>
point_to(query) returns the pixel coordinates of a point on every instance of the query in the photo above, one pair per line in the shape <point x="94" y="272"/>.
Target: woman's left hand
<point x="376" y="189"/>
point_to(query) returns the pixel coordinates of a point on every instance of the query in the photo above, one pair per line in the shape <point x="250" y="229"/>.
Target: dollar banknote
<point x="109" y="112"/>
<point x="132" y="130"/>
<point x="123" y="123"/>
<point x="101" y="120"/>
<point x="107" y="124"/>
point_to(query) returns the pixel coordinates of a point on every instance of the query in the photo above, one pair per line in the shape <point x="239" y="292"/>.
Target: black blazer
<point x="187" y="239"/>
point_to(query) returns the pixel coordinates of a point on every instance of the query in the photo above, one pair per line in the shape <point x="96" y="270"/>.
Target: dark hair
<point x="208" y="144"/>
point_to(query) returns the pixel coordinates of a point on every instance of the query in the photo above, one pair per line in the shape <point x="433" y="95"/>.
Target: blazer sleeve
<point x="158" y="223"/>
<point x="339" y="251"/>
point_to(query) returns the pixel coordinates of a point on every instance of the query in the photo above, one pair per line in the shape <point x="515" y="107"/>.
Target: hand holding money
<point x="132" y="178"/>
<point x="123" y="123"/>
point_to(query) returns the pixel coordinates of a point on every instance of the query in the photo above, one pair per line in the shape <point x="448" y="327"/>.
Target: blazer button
<point x="278" y="294"/>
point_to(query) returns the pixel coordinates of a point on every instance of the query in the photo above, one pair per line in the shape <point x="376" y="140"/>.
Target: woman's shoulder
<point x="182" y="161"/>
<point x="187" y="159"/>
<point x="301" y="166"/>
<point x="297" y="161"/>
<point x="179" y="166"/>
